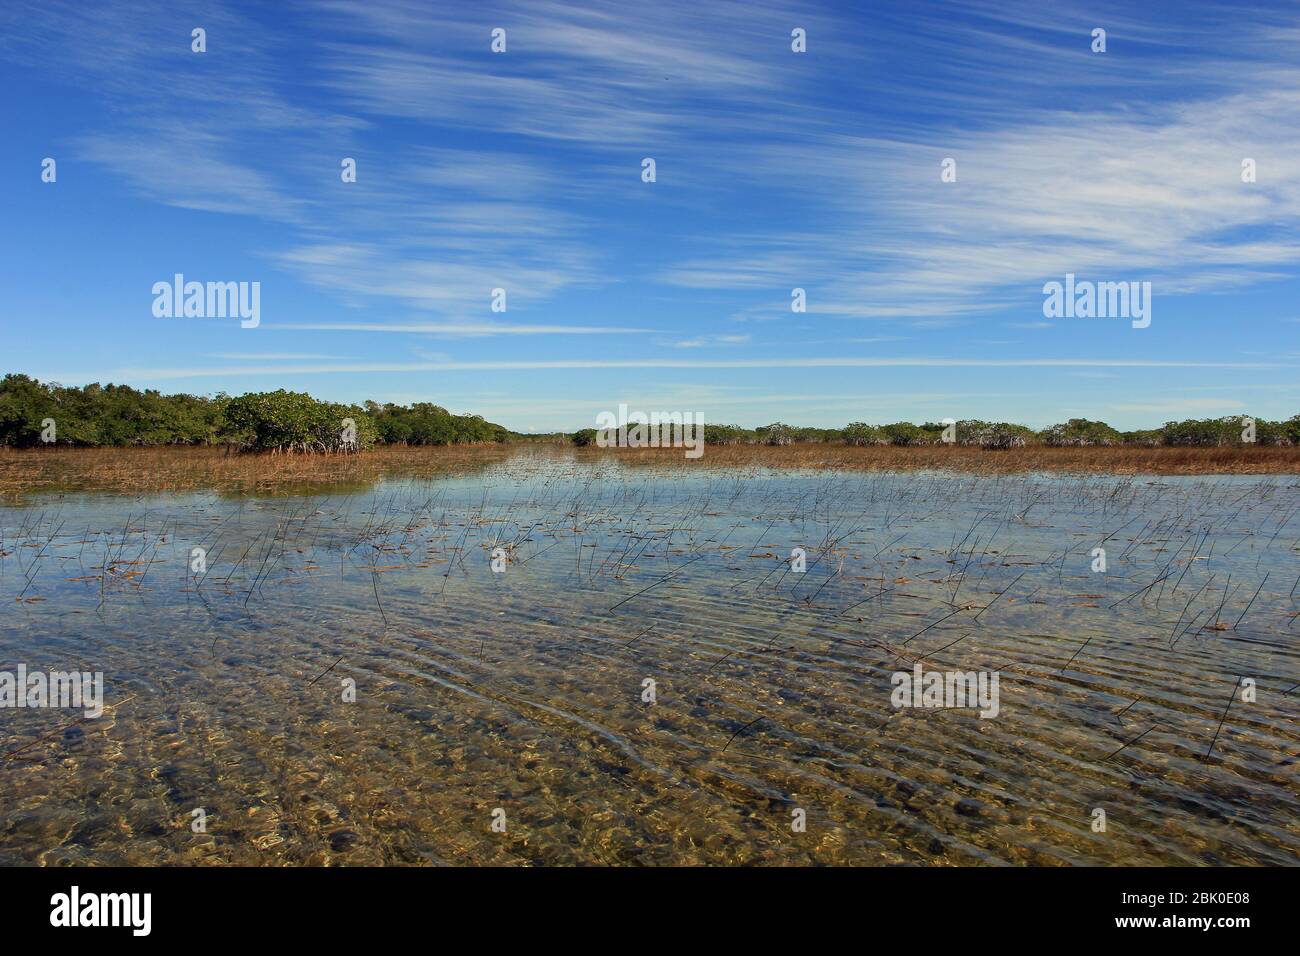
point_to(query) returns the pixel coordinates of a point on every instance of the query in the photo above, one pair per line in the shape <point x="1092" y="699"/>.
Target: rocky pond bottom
<point x="551" y="661"/>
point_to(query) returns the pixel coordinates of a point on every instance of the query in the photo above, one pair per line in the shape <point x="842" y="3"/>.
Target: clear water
<point x="523" y="690"/>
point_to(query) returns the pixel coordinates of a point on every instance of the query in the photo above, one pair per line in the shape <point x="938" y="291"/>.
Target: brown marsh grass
<point x="163" y="469"/>
<point x="973" y="460"/>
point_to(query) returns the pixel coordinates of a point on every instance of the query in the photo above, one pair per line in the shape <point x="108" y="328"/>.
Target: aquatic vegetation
<point x="640" y="659"/>
<point x="141" y="470"/>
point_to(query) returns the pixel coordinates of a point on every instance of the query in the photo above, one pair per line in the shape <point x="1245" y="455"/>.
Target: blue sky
<point x="775" y="170"/>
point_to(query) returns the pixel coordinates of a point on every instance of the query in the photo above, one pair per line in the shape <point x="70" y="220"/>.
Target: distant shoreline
<point x="184" y="469"/>
<point x="35" y="414"/>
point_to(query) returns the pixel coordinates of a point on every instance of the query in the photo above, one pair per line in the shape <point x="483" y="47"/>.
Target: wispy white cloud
<point x="656" y="363"/>
<point x="702" y="341"/>
<point x="773" y="174"/>
<point x="459" y="329"/>
<point x="184" y="167"/>
<point x="274" y="356"/>
<point x="1103" y="191"/>
<point x="600" y="73"/>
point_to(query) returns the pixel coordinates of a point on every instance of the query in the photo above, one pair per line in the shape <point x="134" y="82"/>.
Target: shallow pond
<point x="559" y="662"/>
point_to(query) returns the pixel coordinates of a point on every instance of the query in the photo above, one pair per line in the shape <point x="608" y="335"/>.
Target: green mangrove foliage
<point x="1077" y="432"/>
<point x="427" y="424"/>
<point x="1080" y="432"/>
<point x="33" y="414"/>
<point x="294" y="421"/>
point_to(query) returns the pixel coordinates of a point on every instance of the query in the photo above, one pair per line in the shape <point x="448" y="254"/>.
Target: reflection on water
<point x="524" y="690"/>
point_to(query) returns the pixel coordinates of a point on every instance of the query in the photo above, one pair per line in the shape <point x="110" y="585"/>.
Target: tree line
<point x="33" y="413"/>
<point x="1077" y="432"/>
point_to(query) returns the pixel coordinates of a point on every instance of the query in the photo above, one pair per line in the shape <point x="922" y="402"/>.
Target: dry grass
<point x="146" y="470"/>
<point x="1124" y="460"/>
